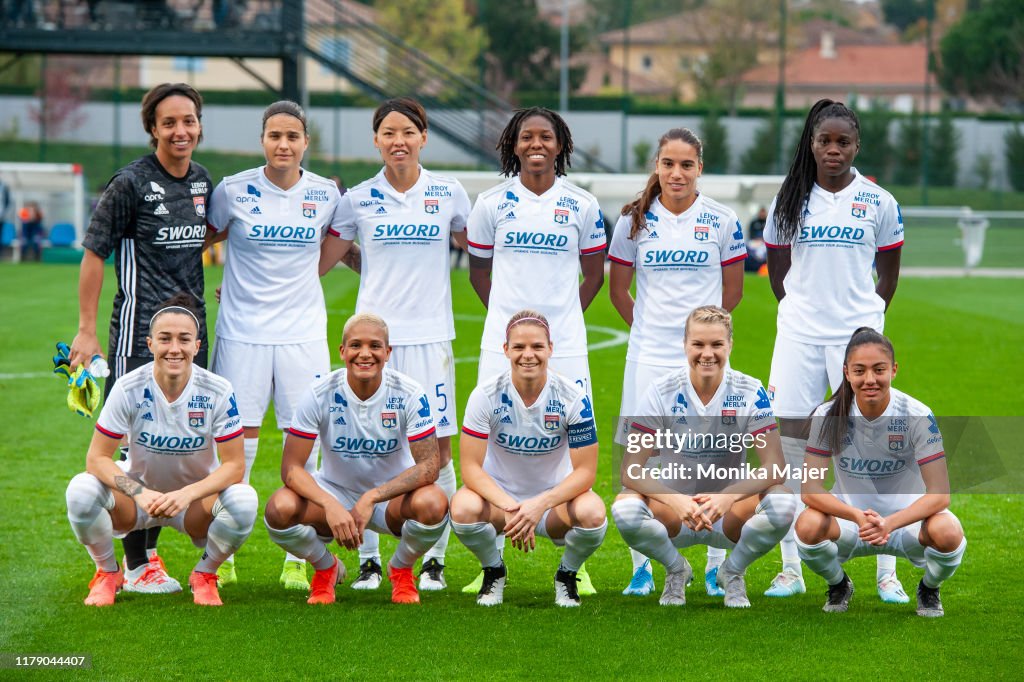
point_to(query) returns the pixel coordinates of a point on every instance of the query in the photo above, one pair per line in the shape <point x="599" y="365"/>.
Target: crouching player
<point x="379" y="464"/>
<point x="891" y="492"/>
<point x="171" y="414"/>
<point x="528" y="456"/>
<point x="704" y="492"/>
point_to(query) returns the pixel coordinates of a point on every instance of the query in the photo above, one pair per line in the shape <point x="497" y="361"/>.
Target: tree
<point x="943" y="145"/>
<point x="904" y="13"/>
<point x="61" y="100"/>
<point x="875" y="156"/>
<point x="908" y="154"/>
<point x="759" y="159"/>
<point x="524" y="49"/>
<point x="715" y="139"/>
<point x="1014" y="140"/>
<point x="608" y="15"/>
<point x="983" y="54"/>
<point x="441" y="29"/>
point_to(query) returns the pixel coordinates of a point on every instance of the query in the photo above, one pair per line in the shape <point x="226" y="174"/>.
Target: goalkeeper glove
<point x="61" y="362"/>
<point x="84" y="392"/>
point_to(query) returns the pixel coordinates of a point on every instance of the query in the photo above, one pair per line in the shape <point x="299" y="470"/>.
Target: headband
<point x="174" y="309"/>
<point x="406" y="111"/>
<point x="527" y="319"/>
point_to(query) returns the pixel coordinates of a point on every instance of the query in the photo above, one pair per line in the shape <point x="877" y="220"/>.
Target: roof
<point x="868" y="65"/>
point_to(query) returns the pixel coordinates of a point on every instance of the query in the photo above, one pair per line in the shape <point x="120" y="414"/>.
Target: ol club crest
<point x="859" y="210"/>
<point x="388" y="420"/>
<point x="561" y="216"/>
<point x="430" y="206"/>
<point x="700" y="233"/>
<point x="308" y="210"/>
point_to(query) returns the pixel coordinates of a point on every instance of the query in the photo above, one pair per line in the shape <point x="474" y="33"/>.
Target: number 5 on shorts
<point x="442" y="396"/>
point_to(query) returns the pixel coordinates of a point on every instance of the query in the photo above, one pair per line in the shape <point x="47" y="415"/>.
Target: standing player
<point x="891" y="492"/>
<point x="698" y="405"/>
<point x="272" y="322"/>
<point x="152" y="217"/>
<point x="529" y="238"/>
<point x="171" y="413"/>
<point x="379" y="467"/>
<point x="687" y="251"/>
<point x="529" y="457"/>
<point x="825" y="228"/>
<point x="405" y="217"/>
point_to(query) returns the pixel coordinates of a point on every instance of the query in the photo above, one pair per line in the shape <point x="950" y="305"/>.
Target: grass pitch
<point x="957" y="343"/>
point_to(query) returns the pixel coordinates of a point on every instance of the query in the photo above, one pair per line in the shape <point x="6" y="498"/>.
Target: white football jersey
<point x="364" y="443"/>
<point x="271" y="292"/>
<point x="829" y="288"/>
<point x="678" y="261"/>
<point x="536" y="243"/>
<point x="528" y="447"/>
<point x="711" y="434"/>
<point x="404" y="238"/>
<point x="879" y="465"/>
<point x="170" y="445"/>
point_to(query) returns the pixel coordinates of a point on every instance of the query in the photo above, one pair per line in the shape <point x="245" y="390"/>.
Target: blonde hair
<point x="528" y="317"/>
<point x="710" y="314"/>
<point x="368" y="318"/>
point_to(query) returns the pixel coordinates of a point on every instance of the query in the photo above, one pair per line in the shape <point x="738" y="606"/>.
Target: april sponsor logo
<point x="832" y="234"/>
<point x="871" y="467"/>
<point x="528" y="444"/>
<point x="201" y="187"/>
<point x="678" y="257"/>
<point x="441" y="191"/>
<point x="536" y="241"/>
<point x="680" y="405"/>
<point x="376" y="198"/>
<point x="872" y="198"/>
<point x="173" y="445"/>
<point x="251" y="189"/>
<point x="283" y="235"/>
<point x="156" y="193"/>
<point x="200" y="402"/>
<point x="407" y="233"/>
<point x="505" y="406"/>
<point x="180" y="236"/>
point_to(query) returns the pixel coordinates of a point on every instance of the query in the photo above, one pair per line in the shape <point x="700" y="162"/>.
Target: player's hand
<point x="170" y="504"/>
<point x="343" y="526"/>
<point x="217" y="294"/>
<point x="521" y="523"/>
<point x="713" y="506"/>
<point x="875" y="530"/>
<point x="362" y="512"/>
<point x="689" y="511"/>
<point x="83" y="347"/>
<point x="145" y="499"/>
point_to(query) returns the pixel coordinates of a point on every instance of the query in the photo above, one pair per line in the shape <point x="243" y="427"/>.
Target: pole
<point x="563" y="77"/>
<point x="624" y="133"/>
<point x="117" y="114"/>
<point x="927" y="101"/>
<point x="780" y="91"/>
<point x="42" y="109"/>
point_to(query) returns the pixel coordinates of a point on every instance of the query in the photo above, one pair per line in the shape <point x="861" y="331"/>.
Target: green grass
<point x="957" y="341"/>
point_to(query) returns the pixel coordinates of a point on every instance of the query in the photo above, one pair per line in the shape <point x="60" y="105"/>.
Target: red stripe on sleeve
<point x="737" y="259"/>
<point x="302" y="434"/>
<point x="620" y="261"/>
<point x="776" y="246"/>
<point x="476" y="434"/>
<point x="819" y="453"/>
<point x="230" y="436"/>
<point x="425" y="434"/>
<point x="891" y="246"/>
<point x="593" y="249"/>
<point x="932" y="458"/>
<point x="486" y="247"/>
<point x="109" y="434"/>
<point x="641" y="427"/>
<point x="334" y="232"/>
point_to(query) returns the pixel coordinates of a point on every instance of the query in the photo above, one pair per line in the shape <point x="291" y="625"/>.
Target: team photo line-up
<point x="175" y="443"/>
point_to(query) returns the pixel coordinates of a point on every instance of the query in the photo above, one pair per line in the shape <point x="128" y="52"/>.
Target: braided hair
<point x="506" y="146"/>
<point x="837" y="419"/>
<point x="638" y="208"/>
<point x="803" y="171"/>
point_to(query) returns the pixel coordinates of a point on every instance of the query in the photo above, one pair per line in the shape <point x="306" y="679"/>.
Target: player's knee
<point x="282" y="509"/>
<point x="812" y="526"/>
<point x="466" y="506"/>
<point x="590" y="511"/>
<point x="944" y="532"/>
<point x="240" y="504"/>
<point x="779" y="505"/>
<point x="84" y="494"/>
<point x="429" y="505"/>
<point x="629" y="513"/>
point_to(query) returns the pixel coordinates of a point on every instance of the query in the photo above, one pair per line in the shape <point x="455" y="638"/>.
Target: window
<point x="189" y="64"/>
<point x="646" y="62"/>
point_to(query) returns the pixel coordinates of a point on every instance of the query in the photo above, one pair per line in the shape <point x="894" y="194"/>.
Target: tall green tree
<point x="442" y="29"/>
<point x="908" y="151"/>
<point x="759" y="159"/>
<point x="715" y="139"/>
<point x="983" y="54"/>
<point x="943" y="146"/>
<point x="875" y="156"/>
<point x="1014" y="140"/>
<point x="904" y="13"/>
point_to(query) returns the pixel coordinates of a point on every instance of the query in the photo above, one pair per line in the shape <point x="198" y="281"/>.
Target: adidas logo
<point x="506" y="419"/>
<point x="511" y="215"/>
<point x="381" y="211"/>
<point x="147" y="417"/>
<point x="340" y="420"/>
<point x="161" y="210"/>
<point x="443" y="422"/>
<point x="256" y="210"/>
<point x="654" y="234"/>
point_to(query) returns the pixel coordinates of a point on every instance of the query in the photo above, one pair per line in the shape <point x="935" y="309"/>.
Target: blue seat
<point x="62" y="234"/>
<point x="8" y="235"/>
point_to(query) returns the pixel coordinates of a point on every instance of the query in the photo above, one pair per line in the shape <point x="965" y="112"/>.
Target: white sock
<point x="716" y="555"/>
<point x="940" y="566"/>
<point x="793" y="451"/>
<point x="644" y="533"/>
<point x="302" y="541"/>
<point x="89" y="504"/>
<point x="638" y="559"/>
<point x="370" y="549"/>
<point x="416" y="539"/>
<point x="151" y="552"/>
<point x="250" y="446"/>
<point x="823" y="559"/>
<point x="234" y="515"/>
<point x="446" y="482"/>
<point x="771" y="520"/>
<point x="479" y="539"/>
<point x="580" y="543"/>
<point x="885" y="565"/>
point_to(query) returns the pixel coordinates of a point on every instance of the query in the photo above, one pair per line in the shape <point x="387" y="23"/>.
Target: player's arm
<point x="231" y="471"/>
<point x="332" y="250"/>
<point x="636" y="478"/>
<point x="213" y="236"/>
<point x="424" y="472"/>
<point x="461" y="239"/>
<point x="90" y="284"/>
<point x="472" y="451"/>
<point x="732" y="285"/>
<point x="620" y="280"/>
<point x="780" y="259"/>
<point x="100" y="463"/>
<point x="592" y="265"/>
<point x="887" y="265"/>
<point x="298" y="446"/>
<point x="480" y="277"/>
<point x="814" y="495"/>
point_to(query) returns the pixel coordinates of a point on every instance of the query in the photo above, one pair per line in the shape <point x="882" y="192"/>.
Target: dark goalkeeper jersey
<point x="154" y="225"/>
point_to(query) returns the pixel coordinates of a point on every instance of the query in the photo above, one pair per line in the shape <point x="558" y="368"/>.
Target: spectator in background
<point x="340" y="183"/>
<point x="757" y="252"/>
<point x="32" y="231"/>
